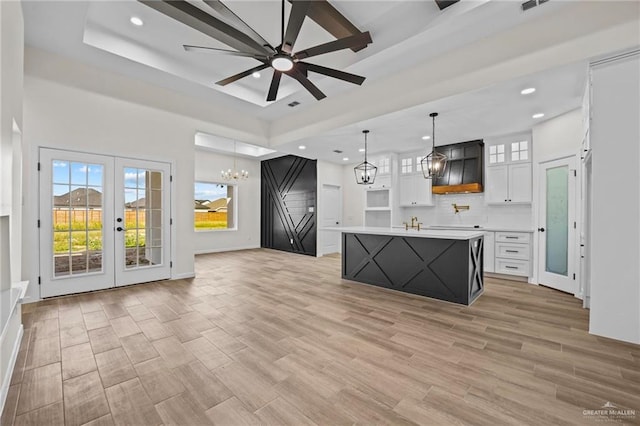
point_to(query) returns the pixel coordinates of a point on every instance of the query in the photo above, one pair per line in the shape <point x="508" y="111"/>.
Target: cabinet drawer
<point x="512" y="267"/>
<point x="513" y="237"/>
<point x="512" y="251"/>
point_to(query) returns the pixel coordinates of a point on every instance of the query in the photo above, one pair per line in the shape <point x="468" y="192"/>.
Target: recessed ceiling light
<point x="361" y="150"/>
<point x="538" y="115"/>
<point x="256" y="74"/>
<point x="136" y="21"/>
<point x="345" y="159"/>
<point x="425" y="137"/>
<point x="528" y="90"/>
<point x="302" y="147"/>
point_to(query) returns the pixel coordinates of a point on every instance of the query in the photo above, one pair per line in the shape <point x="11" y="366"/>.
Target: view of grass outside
<point x="84" y="231"/>
<point x="213" y="208"/>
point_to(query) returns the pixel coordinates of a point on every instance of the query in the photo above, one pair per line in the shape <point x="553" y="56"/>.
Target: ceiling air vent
<point x="532" y="3"/>
<point x="337" y="151"/>
<point x="294" y="104"/>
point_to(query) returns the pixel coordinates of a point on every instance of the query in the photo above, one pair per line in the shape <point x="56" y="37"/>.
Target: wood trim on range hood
<point x="457" y="189"/>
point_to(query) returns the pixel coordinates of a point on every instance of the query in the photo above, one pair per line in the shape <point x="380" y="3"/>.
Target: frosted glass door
<point x="557" y="225"/>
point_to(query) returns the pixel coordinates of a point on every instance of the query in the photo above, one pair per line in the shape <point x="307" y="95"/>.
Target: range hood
<point x="463" y="173"/>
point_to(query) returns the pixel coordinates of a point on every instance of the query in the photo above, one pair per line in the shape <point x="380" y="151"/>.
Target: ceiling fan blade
<point x="275" y="84"/>
<point x="236" y="21"/>
<point x="325" y="15"/>
<point x="296" y="18"/>
<point x="241" y="75"/>
<point x="361" y="39"/>
<point x="443" y="4"/>
<point x="194" y="17"/>
<point x="302" y="79"/>
<point x="340" y="75"/>
<point x="190" y="48"/>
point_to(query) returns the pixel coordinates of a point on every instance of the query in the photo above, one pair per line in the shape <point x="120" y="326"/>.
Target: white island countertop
<point x="446" y="234"/>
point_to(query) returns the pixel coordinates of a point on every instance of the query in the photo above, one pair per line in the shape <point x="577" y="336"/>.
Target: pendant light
<point x="234" y="174"/>
<point x="365" y="172"/>
<point x="434" y="164"/>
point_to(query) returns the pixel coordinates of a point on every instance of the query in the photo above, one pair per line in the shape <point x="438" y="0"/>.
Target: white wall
<point x="11" y="94"/>
<point x="558" y="137"/>
<point x="615" y="143"/>
<point x="352" y="197"/>
<point x="207" y="168"/>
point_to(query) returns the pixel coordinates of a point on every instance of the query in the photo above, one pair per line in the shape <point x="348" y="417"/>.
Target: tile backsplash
<point x="443" y="213"/>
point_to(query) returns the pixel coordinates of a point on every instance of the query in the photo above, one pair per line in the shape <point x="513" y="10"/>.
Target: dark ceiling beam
<point x="199" y="20"/>
<point x="325" y="15"/>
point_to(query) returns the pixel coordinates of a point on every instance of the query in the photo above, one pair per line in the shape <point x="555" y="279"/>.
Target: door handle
<point x="119" y="229"/>
<point x="540" y="229"/>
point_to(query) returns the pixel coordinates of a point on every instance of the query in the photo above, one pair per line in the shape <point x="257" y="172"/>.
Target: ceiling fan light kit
<point x="226" y="27"/>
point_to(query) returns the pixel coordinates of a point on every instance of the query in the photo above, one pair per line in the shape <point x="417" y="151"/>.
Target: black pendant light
<point x="365" y="172"/>
<point x="434" y="164"/>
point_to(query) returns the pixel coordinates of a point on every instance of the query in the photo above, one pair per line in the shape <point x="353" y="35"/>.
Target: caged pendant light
<point x="365" y="172"/>
<point x="234" y="174"/>
<point x="434" y="164"/>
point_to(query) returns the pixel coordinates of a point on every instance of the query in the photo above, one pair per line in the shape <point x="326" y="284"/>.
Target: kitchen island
<point x="442" y="264"/>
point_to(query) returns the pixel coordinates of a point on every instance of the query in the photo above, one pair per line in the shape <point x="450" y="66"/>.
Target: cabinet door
<point x="520" y="183"/>
<point x="489" y="251"/>
<point x="406" y="189"/>
<point x="497" y="184"/>
<point x="422" y="190"/>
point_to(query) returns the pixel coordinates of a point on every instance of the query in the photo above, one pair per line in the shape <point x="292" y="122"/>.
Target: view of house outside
<point x="213" y="206"/>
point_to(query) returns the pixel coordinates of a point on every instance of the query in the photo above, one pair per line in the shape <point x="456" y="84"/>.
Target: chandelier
<point x="434" y="164"/>
<point x="365" y="172"/>
<point x="234" y="174"/>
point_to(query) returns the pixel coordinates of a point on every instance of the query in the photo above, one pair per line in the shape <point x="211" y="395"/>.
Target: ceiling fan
<point x="229" y="29"/>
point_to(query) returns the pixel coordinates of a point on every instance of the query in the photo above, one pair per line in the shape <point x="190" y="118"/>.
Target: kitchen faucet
<point x="414" y="224"/>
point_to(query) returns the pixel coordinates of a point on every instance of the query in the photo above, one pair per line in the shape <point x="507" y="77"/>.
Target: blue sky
<point x="67" y="172"/>
<point x="209" y="191"/>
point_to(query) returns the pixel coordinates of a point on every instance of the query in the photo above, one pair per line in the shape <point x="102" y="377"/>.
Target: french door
<point x="104" y="222"/>
<point x="557" y="225"/>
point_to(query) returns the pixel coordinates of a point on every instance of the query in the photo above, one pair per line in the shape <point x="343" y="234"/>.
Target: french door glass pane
<point x="557" y="232"/>
<point x="77" y="217"/>
<point x="143" y="212"/>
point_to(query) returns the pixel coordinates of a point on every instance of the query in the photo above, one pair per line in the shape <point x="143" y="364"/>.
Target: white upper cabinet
<point x="508" y="172"/>
<point x="413" y="188"/>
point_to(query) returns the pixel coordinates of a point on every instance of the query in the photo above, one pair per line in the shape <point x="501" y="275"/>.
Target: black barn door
<point x="288" y="211"/>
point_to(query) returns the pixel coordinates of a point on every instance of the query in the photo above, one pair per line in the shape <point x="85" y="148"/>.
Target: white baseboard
<point x="220" y="250"/>
<point x="183" y="276"/>
<point x="6" y="380"/>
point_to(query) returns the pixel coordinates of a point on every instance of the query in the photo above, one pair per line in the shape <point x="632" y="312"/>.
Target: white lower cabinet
<point x="489" y="251"/>
<point x="513" y="253"/>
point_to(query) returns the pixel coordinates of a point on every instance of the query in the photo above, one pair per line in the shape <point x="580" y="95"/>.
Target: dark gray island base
<point x="438" y="267"/>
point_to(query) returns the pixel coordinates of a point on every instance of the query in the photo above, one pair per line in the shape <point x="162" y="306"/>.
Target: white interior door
<point x="331" y="217"/>
<point x="142" y="221"/>
<point x="557" y="225"/>
<point x="76" y="222"/>
<point x="82" y="245"/>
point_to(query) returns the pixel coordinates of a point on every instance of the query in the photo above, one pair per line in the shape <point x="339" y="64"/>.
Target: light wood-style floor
<point x="265" y="337"/>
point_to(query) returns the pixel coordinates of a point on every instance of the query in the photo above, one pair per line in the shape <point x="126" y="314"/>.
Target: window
<point x="496" y="154"/>
<point x="214" y="206"/>
<point x="384" y="166"/>
<point x="519" y="151"/>
<point x="405" y="166"/>
<point x="419" y="164"/>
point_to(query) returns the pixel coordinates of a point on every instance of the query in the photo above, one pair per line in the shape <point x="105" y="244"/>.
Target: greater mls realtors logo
<point x="610" y="413"/>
